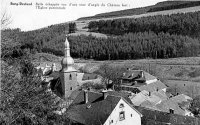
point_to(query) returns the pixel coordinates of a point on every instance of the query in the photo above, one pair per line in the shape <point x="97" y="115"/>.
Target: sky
<point x="32" y="16"/>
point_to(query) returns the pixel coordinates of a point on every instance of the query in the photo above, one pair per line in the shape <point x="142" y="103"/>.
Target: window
<point x="121" y="105"/>
<point x="70" y="88"/>
<point x="70" y="77"/>
<point x="131" y="115"/>
<point x="121" y="115"/>
<point x="111" y="121"/>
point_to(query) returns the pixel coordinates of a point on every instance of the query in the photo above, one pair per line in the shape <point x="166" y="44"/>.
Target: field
<point x="98" y="35"/>
<point x="166" y="12"/>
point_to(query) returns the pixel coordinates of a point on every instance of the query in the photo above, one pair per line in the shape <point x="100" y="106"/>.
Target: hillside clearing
<point x="166" y="12"/>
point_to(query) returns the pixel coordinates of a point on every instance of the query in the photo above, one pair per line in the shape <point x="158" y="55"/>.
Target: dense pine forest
<point x="159" y="36"/>
<point x="175" y="5"/>
<point x="134" y="46"/>
<point x="183" y="24"/>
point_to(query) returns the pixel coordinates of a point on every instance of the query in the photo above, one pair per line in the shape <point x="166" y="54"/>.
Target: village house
<point x="158" y="100"/>
<point x="137" y="78"/>
<point x="91" y="108"/>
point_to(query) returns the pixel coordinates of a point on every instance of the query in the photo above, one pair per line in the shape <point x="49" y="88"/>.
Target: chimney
<point x="85" y="96"/>
<point x="105" y="94"/>
<point x="171" y="111"/>
<point x="142" y="75"/>
<point x="53" y="67"/>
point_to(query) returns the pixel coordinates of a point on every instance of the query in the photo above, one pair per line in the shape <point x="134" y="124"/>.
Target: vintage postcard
<point x="100" y="62"/>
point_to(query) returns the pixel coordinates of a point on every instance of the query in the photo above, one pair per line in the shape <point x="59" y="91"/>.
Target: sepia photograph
<point x="100" y="62"/>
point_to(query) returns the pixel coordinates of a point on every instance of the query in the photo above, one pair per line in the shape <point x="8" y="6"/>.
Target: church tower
<point x="68" y="73"/>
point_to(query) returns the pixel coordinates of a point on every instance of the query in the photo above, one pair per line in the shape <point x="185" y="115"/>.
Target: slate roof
<point x="181" y="98"/>
<point x="139" y="98"/>
<point x="165" y="105"/>
<point x="121" y="94"/>
<point x="144" y="99"/>
<point x="148" y="76"/>
<point x="137" y="75"/>
<point x="131" y="74"/>
<point x="161" y="94"/>
<point x="55" y="74"/>
<point x="95" y="112"/>
<point x="158" y="85"/>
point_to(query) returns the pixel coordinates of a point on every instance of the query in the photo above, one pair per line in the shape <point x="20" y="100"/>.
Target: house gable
<point x="124" y="114"/>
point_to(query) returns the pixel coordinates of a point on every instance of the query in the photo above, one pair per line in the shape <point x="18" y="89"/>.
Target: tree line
<point x="183" y="24"/>
<point x="182" y="4"/>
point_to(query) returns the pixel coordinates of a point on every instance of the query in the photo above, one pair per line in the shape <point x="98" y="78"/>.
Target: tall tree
<point x="72" y="27"/>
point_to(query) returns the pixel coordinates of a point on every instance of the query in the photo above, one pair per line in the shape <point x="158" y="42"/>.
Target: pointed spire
<point x="67" y="48"/>
<point x="67" y="62"/>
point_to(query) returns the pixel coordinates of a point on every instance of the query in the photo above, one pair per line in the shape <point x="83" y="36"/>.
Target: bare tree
<point x="5" y="17"/>
<point x="110" y="73"/>
<point x="5" y="20"/>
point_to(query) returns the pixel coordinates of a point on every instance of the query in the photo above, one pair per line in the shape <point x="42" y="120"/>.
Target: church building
<point x="66" y="79"/>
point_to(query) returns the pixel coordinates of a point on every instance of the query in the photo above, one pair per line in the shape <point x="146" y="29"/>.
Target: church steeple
<point x="68" y="73"/>
<point x="67" y="62"/>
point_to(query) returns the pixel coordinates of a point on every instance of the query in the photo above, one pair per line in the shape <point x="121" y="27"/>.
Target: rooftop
<point x="95" y="112"/>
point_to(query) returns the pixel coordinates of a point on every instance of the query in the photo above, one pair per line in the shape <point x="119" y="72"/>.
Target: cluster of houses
<point x="109" y="107"/>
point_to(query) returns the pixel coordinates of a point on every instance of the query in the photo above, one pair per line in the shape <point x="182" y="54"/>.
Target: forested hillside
<point x="134" y="46"/>
<point x="128" y="46"/>
<point x="183" y="24"/>
<point x="165" y="5"/>
<point x="158" y="36"/>
<point x="37" y="40"/>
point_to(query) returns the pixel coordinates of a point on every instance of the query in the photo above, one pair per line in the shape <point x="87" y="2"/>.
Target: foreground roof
<point x="95" y="112"/>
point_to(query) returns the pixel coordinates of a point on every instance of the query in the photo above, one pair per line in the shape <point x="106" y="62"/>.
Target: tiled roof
<point x="161" y="94"/>
<point x="149" y="105"/>
<point x="181" y="98"/>
<point x="139" y="98"/>
<point x="137" y="75"/>
<point x="148" y="76"/>
<point x="142" y="97"/>
<point x="95" y="112"/>
<point x="131" y="74"/>
<point x="165" y="105"/>
<point x="158" y="85"/>
<point x="121" y="94"/>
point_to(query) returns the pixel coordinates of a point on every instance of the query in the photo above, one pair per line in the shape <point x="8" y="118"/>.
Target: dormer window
<point x="121" y="105"/>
